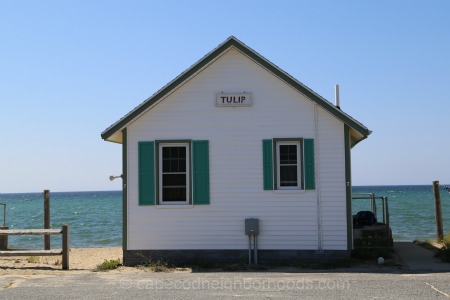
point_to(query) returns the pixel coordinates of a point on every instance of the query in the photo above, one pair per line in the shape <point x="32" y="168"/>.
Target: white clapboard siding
<point x="331" y="175"/>
<point x="288" y="220"/>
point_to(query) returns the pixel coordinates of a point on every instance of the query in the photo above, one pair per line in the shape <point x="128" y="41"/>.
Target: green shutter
<point x="200" y="171"/>
<point x="146" y="173"/>
<point x="267" y="164"/>
<point x="308" y="147"/>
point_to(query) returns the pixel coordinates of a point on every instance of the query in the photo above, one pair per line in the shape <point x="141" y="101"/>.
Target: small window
<point x="288" y="158"/>
<point x="174" y="173"/>
<point x="288" y="164"/>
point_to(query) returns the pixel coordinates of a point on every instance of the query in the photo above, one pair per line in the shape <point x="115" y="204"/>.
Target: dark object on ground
<point x="363" y="218"/>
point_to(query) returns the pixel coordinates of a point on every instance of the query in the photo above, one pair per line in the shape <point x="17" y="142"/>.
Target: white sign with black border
<point x="232" y="100"/>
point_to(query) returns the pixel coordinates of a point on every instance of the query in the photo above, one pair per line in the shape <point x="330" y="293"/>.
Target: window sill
<point x="289" y="191"/>
<point x="183" y="206"/>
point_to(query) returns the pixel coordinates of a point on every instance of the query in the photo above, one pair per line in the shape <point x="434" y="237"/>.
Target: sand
<point x="80" y="260"/>
<point x="85" y="260"/>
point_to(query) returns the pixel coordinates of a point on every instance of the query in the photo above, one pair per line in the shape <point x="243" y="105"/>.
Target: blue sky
<point x="69" y="69"/>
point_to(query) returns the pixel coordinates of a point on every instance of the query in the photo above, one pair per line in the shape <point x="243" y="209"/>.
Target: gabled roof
<point x="357" y="130"/>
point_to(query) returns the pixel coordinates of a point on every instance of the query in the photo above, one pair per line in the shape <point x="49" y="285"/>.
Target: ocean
<point x="95" y="218"/>
<point x="411" y="209"/>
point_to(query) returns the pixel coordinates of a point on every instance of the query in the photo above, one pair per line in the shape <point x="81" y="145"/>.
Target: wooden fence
<point x="65" y="243"/>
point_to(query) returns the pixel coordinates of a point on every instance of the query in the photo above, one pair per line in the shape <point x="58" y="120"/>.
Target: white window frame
<point x="162" y="145"/>
<point x="299" y="164"/>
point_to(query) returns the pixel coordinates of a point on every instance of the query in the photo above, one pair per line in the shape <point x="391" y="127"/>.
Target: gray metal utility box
<point x="251" y="226"/>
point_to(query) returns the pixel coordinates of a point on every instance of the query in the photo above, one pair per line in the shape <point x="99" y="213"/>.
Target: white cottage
<point x="235" y="137"/>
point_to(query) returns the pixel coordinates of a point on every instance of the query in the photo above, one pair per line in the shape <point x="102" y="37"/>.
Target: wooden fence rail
<point x="65" y="243"/>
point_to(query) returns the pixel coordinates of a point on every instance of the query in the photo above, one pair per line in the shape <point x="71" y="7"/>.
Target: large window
<point x="173" y="173"/>
<point x="288" y="165"/>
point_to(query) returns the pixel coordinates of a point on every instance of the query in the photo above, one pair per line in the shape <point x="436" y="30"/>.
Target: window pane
<point x="166" y="152"/>
<point x="288" y="154"/>
<point x="174" y="194"/>
<point x="174" y="152"/>
<point x="174" y="173"/>
<point x="166" y="165"/>
<point x="167" y="160"/>
<point x="182" y="165"/>
<point x="182" y="152"/>
<point x="174" y="159"/>
<point x="288" y="164"/>
<point x="288" y="175"/>
<point x="174" y="180"/>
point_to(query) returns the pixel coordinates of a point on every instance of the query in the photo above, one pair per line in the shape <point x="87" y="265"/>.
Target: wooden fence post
<point x="4" y="238"/>
<point x="47" y="218"/>
<point x="65" y="247"/>
<point x="437" y="203"/>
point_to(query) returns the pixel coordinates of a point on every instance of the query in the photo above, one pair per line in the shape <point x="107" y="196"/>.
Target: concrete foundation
<point x="211" y="257"/>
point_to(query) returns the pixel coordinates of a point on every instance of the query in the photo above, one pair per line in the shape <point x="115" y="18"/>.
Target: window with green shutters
<point x="173" y="172"/>
<point x="288" y="164"/>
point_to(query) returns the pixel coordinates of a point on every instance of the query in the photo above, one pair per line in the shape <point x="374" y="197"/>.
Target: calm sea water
<point x="411" y="209"/>
<point x="95" y="218"/>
